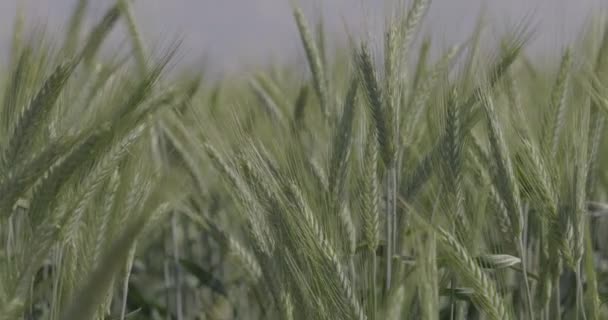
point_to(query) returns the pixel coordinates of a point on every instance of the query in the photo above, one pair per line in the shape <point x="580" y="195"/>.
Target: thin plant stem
<point x="125" y="293"/>
<point x="557" y="313"/>
<point x="524" y="267"/>
<point x="391" y="213"/>
<point x="177" y="268"/>
<point x="371" y="314"/>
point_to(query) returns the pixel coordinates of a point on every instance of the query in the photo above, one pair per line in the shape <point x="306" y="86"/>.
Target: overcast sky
<point x="232" y="33"/>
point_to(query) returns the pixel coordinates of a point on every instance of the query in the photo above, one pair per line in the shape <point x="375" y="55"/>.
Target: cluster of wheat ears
<point x="385" y="184"/>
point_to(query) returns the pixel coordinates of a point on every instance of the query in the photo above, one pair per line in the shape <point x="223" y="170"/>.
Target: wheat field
<point x="383" y="181"/>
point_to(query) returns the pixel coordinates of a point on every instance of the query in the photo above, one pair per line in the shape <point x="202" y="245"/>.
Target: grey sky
<point x="233" y="33"/>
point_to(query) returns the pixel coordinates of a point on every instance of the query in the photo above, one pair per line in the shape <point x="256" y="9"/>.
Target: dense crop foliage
<point x="385" y="185"/>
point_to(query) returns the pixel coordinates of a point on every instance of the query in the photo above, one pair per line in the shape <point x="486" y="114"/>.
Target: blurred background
<point x="231" y="35"/>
